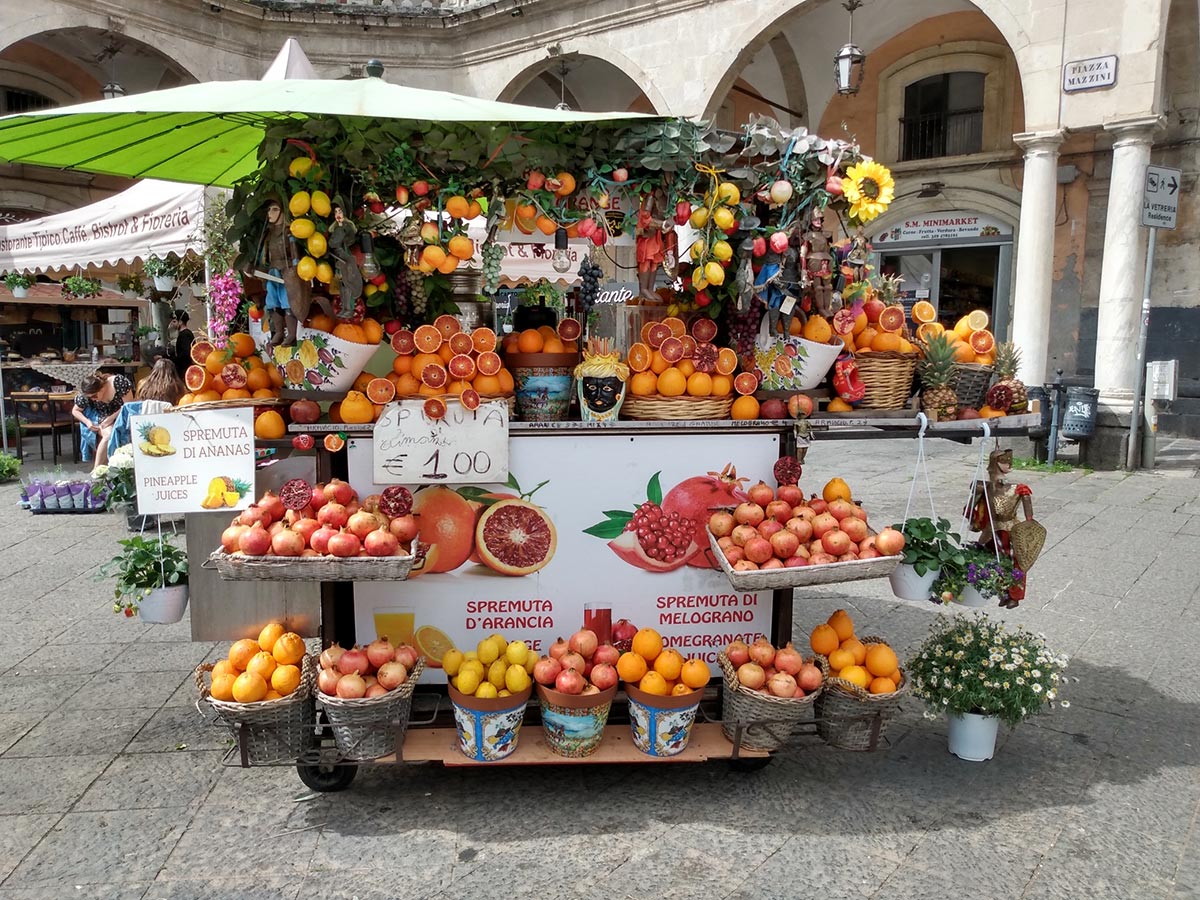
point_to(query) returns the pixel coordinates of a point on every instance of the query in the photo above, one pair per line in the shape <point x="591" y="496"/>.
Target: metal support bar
<point x="1131" y="452"/>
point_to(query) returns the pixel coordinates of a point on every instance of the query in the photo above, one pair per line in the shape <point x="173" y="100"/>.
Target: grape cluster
<point x="743" y="327"/>
<point x="402" y="301"/>
<point x="492" y="254"/>
<point x="416" y="291"/>
<point x="589" y="287"/>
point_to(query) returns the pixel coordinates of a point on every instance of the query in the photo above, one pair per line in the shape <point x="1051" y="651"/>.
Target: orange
<point x="671" y="382"/>
<point x="483" y="339"/>
<point x="817" y="329"/>
<point x="357" y="409"/>
<point x="823" y="640"/>
<point x="216" y="361"/>
<point x="987" y="412"/>
<point x="860" y="325"/>
<point x="348" y="332"/>
<point x="863" y="339"/>
<point x="506" y="381"/>
<point x="289" y="649"/>
<point x="487" y="384"/>
<point x="695" y="673"/>
<point x="699" y="384"/>
<point x="257" y="379"/>
<point x="433" y="255"/>
<point x="421" y="360"/>
<point x="891" y="319"/>
<point x="722" y="385"/>
<point x="320" y="322"/>
<point x="530" y="341"/>
<point x="678" y="690"/>
<point x="269" y="635"/>
<point x="923" y="312"/>
<point x="896" y="678"/>
<point x="269" y="426"/>
<point x="407" y="386"/>
<point x="963" y="352"/>
<point x="402" y="365"/>
<point x="885" y="341"/>
<point x="727" y="360"/>
<point x="687" y="367"/>
<point x="241" y="344"/>
<point x="982" y="341"/>
<point x="186" y="399"/>
<point x="881" y="660"/>
<point x="272" y="694"/>
<point x="669" y="664"/>
<point x="264" y="394"/>
<point x="658" y="363"/>
<point x="207" y="396"/>
<point x="744" y="408"/>
<point x="835" y="489"/>
<point x="840" y="659"/>
<point x="631" y="667"/>
<point x="242" y="652"/>
<point x="647" y="644"/>
<point x="653" y="683"/>
<point x="929" y="330"/>
<point x="372" y="331"/>
<point x="546" y="332"/>
<point x="458" y="206"/>
<point x="985" y="359"/>
<point x="882" y="685"/>
<point x="249" y="687"/>
<point x="285" y="679"/>
<point x="276" y="376"/>
<point x="553" y="345"/>
<point x="841" y="622"/>
<point x="262" y="663"/>
<point x="235" y="394"/>
<point x="856" y="675"/>
<point x="857" y="648"/>
<point x="643" y="384"/>
<point x="224" y="667"/>
<point x="838" y="405"/>
<point x="222" y="686"/>
<point x="427" y="339"/>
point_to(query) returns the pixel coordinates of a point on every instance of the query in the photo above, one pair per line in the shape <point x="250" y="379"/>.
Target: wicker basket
<point x="371" y="728"/>
<point x="970" y="383"/>
<point x="767" y="722"/>
<point x="270" y="731"/>
<point x="802" y="576"/>
<point x="849" y="717"/>
<point x="888" y="378"/>
<point x="657" y="408"/>
<point x="231" y="404"/>
<point x="313" y="568"/>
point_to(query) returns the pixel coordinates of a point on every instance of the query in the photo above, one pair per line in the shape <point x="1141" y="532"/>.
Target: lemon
<point x="467" y="681"/>
<point x="496" y="672"/>
<point x="369" y="289"/>
<point x="486" y="691"/>
<point x="699" y="217"/>
<point x="324" y="272"/>
<point x="452" y="661"/>
<point x="531" y="659"/>
<point x="516" y="653"/>
<point x="306" y="269"/>
<point x="317" y="244"/>
<point x="299" y="166"/>
<point x="721" y="249"/>
<point x="322" y="207"/>
<point x="472" y="665"/>
<point x="495" y="634"/>
<point x="300" y="203"/>
<point x="699" y="282"/>
<point x="504" y="693"/>
<point x="471" y="654"/>
<point x="714" y="273"/>
<point x="302" y="228"/>
<point x="724" y="219"/>
<point x="516" y="679"/>
<point x="500" y="644"/>
<point x="727" y="192"/>
<point x="487" y="651"/>
<point x="697" y="250"/>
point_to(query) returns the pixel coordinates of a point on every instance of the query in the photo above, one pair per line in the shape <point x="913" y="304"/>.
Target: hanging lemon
<point x="302" y="229"/>
<point x="299" y="166"/>
<point x="306" y="269"/>
<point x="722" y="251"/>
<point x="300" y="203"/>
<point x="699" y="282"/>
<point x="724" y="219"/>
<point x="697" y="251"/>
<point x="728" y="193"/>
<point x="320" y="203"/>
<point x="699" y="217"/>
<point x="324" y="272"/>
<point x="714" y="274"/>
<point x="317" y="245"/>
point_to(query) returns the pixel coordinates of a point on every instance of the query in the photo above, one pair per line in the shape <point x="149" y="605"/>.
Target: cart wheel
<point x="327" y="778"/>
<point x="747" y="764"/>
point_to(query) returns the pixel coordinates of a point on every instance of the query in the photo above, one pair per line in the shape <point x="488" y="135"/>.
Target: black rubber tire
<point x="747" y="764"/>
<point x="327" y="779"/>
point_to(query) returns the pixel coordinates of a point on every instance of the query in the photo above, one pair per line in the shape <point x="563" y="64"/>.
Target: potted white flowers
<point x="162" y="271"/>
<point x="152" y="579"/>
<point x="131" y="285"/>
<point x="981" y="674"/>
<point x="19" y="284"/>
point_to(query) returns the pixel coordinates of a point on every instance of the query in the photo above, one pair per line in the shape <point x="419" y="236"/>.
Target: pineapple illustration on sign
<point x="224" y="493"/>
<point x="156" y="440"/>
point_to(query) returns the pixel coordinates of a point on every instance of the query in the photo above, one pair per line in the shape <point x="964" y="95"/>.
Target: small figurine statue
<point x="817" y="261"/>
<point x="994" y="510"/>
<point x="288" y="297"/>
<point x="340" y="238"/>
<point x="859" y="254"/>
<point x="650" y="248"/>
<point x="601" y="379"/>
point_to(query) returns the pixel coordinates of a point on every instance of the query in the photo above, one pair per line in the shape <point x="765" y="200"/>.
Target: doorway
<point x="956" y="280"/>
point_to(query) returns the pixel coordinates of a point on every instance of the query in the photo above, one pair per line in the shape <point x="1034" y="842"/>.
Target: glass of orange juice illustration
<point x="396" y="624"/>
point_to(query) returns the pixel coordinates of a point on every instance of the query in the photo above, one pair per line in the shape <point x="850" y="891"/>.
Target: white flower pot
<point x="973" y="737"/>
<point x="164" y="606"/>
<point x="20" y="292"/>
<point x="908" y="585"/>
<point x="972" y="597"/>
<point x="129" y="295"/>
<point x="164" y="282"/>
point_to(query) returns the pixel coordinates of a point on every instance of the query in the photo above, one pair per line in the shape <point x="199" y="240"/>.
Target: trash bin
<point x="1079" y="420"/>
<point x="1042" y="396"/>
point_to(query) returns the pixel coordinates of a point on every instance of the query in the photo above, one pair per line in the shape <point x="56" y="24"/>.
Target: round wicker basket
<point x="888" y="378"/>
<point x="657" y="408"/>
<point x="767" y="722"/>
<point x="374" y="727"/>
<point x="851" y="718"/>
<point x="231" y="404"/>
<point x="970" y="383"/>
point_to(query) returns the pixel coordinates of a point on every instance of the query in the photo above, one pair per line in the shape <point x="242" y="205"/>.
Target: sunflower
<point x="869" y="188"/>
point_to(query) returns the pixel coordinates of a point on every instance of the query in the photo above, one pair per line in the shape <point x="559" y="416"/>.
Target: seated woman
<point x="159" y="390"/>
<point x="96" y="406"/>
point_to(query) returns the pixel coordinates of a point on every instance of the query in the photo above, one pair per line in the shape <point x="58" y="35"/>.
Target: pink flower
<point x="225" y="294"/>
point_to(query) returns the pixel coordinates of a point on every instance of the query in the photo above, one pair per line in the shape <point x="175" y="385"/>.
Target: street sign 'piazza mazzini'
<point x="1089" y="74"/>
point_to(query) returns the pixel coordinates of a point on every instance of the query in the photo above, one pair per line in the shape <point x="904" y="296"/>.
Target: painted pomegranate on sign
<point x="694" y="499"/>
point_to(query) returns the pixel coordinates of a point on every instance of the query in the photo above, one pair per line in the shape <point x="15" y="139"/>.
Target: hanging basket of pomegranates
<point x="801" y="575"/>
<point x="240" y="567"/>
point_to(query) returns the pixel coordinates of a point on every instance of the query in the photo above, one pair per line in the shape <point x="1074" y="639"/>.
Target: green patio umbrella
<point x="209" y="133"/>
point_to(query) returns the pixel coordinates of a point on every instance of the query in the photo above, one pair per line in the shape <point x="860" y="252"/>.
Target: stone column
<point x="1035" y="252"/>
<point x="1123" y="266"/>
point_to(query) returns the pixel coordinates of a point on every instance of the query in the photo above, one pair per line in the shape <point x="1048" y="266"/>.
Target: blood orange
<point x="644" y="334"/>
<point x="196" y="378"/>
<point x="461" y="366"/>
<point x="658" y="333"/>
<point x="381" y="390"/>
<point x="434" y="375"/>
<point x="982" y="341"/>
<point x="689" y="346"/>
<point x="639" y="357"/>
<point x="727" y="361"/>
<point x="334" y="442"/>
<point x="200" y="351"/>
<point x="469" y="398"/>
<point x="488" y="363"/>
<point x="704" y="329"/>
<point x="447" y="325"/>
<point x="671" y="349"/>
<point x="515" y="537"/>
<point x="484" y="339"/>
<point x="460" y="342"/>
<point x="233" y="375"/>
<point x="427" y="338"/>
<point x="678" y="329"/>
<point x="435" y="408"/>
<point x="745" y="383"/>
<point x="891" y="319"/>
<point x="403" y="343"/>
<point x="569" y="329"/>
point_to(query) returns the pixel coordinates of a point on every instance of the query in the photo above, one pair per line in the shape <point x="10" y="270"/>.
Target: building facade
<point x="1019" y="130"/>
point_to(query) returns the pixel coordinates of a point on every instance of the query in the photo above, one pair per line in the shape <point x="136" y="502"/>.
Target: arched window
<point x="943" y="116"/>
<point x="16" y="100"/>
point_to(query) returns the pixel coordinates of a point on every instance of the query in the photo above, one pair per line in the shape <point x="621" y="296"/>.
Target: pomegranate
<point x="744" y="565"/>
<point x="559" y="649"/>
<point x="327" y="681"/>
<point x="361" y="524"/>
<point x="821" y="558"/>
<point x="725" y="542"/>
<point x="583" y="642"/>
<point x="809" y="677"/>
<point x="804" y="512"/>
<point x="658" y="541"/>
<point x="782" y="685"/>
<point x="375" y="690"/>
<point x="748" y="513"/>
<point x="800" y="406"/>
<point x="823" y="523"/>
<point x="229" y="537"/>
<point x="734" y="555"/>
<point x="841" y="509"/>
<point x="787" y="470"/>
<point x="287" y="543"/>
<point x="351" y="687"/>
<point x="330" y="656"/>
<point x="320" y="538"/>
<point x="773" y="563"/>
<point x="769" y="527"/>
<point x="306" y="528"/>
<point x="275" y="527"/>
<point x="589" y="689"/>
<point x="762" y="652"/>
<point x="889" y="542"/>
<point x="380" y="651"/>
<point x="789" y="660"/>
<point x="773" y="408"/>
<point x="791" y="495"/>
<point x="333" y="514"/>
<point x="848" y="556"/>
<point x="344" y="544"/>
<point x="779" y="510"/>
<point x="743" y="533"/>
<point x="622" y="634"/>
<point x="404" y="528"/>
<point x="604" y="676"/>
<point x="694" y="498"/>
<point x="869" y="553"/>
<point x="274" y="507"/>
<point x="784" y="544"/>
<point x="751" y="675"/>
<point x="606" y="653"/>
<point x="738" y="653"/>
<point x="721" y="523"/>
<point x="801" y="528"/>
<point x="569" y="681"/>
<point x="391" y="675"/>
<point x="354" y="660"/>
<point x="255" y="541"/>
<point x="572" y="660"/>
<point x="868" y="543"/>
<point x="855" y="528"/>
<point x="758" y="550"/>
<point x="799" y="692"/>
<point x="760" y="493"/>
<point x="836" y="542"/>
<point x="546" y="670"/>
<point x="318" y="497"/>
<point x="817" y="505"/>
<point x="340" y="491"/>
<point x="381" y="542"/>
<point x="795" y="562"/>
<point x="407" y="656"/>
<point x="254" y="515"/>
<point x="778" y="241"/>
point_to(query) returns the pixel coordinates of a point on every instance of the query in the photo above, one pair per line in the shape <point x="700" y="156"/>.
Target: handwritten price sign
<point x="466" y="447"/>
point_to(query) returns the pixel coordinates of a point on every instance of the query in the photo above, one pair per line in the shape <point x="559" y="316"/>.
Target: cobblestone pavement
<point x="111" y="784"/>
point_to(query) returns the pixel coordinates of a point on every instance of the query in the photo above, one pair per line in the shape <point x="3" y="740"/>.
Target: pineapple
<point x="1008" y="360"/>
<point x="155" y="440"/>
<point x="937" y="372"/>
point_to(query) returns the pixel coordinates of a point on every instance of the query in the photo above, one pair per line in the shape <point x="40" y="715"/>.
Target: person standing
<point x="183" y="342"/>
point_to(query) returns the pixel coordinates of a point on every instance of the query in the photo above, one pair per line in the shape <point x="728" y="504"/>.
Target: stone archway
<point x="592" y="78"/>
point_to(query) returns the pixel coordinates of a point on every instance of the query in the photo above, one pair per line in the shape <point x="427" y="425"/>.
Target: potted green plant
<point x="10" y="467"/>
<point x="80" y="287"/>
<point x="152" y="579"/>
<point x="929" y="547"/>
<point x="980" y="674"/>
<point x="162" y="270"/>
<point x="17" y="283"/>
<point x="131" y="285"/>
<point x="191" y="272"/>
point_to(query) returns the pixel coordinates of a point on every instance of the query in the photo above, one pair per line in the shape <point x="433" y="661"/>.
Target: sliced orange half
<point x="678" y="329"/>
<point x="982" y="341"/>
<point x="923" y="312"/>
<point x="334" y="442"/>
<point x="428" y="339"/>
<point x="745" y="383"/>
<point x="930" y="330"/>
<point x="484" y="339"/>
<point x="892" y="318"/>
<point x="639" y="357"/>
<point x="727" y="361"/>
<point x="446" y="326"/>
<point x="381" y="390"/>
<point x="433" y="643"/>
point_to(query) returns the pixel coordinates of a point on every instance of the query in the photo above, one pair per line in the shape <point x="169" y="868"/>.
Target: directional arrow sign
<point x="1160" y="198"/>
